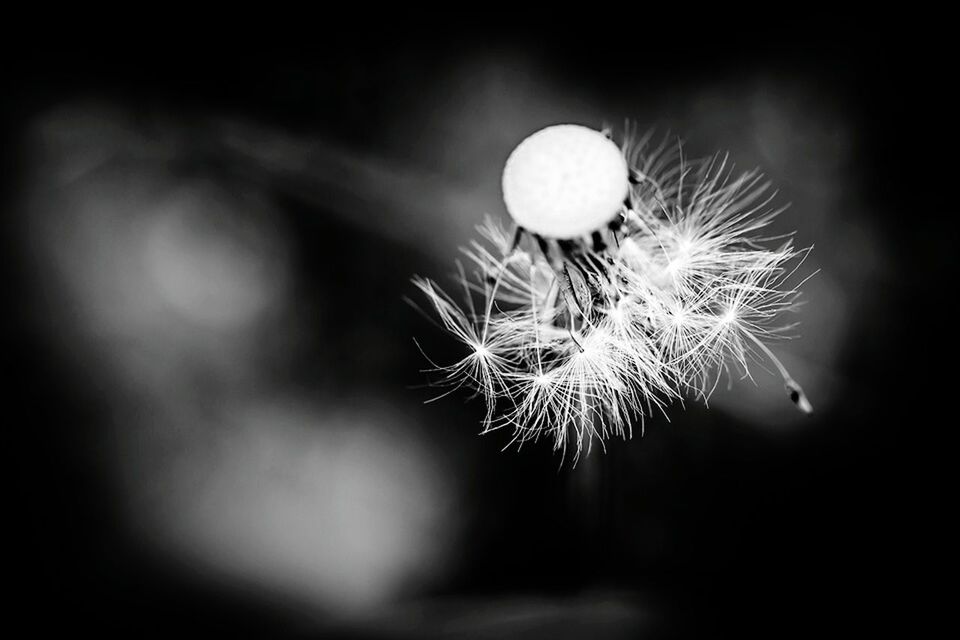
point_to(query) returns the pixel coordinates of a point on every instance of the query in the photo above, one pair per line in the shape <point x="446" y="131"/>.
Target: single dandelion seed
<point x="633" y="278"/>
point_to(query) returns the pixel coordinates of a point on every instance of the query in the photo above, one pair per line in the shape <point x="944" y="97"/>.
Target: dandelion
<point x="633" y="278"/>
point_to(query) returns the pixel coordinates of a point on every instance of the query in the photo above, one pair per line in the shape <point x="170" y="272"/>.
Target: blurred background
<point x="216" y="416"/>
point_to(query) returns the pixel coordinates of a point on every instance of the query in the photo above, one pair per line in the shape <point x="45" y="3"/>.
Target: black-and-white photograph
<point x="475" y="335"/>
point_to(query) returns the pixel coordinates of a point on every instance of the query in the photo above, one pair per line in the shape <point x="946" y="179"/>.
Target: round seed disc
<point x="565" y="181"/>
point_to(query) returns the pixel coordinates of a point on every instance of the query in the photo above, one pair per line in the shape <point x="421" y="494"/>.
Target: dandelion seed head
<point x="612" y="298"/>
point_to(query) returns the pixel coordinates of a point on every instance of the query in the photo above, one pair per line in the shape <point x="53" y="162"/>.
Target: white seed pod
<point x="565" y="181"/>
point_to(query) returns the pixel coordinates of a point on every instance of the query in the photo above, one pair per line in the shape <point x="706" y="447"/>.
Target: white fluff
<point x="582" y="339"/>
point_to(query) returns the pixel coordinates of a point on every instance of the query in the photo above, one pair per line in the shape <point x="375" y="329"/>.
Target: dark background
<point x="367" y="160"/>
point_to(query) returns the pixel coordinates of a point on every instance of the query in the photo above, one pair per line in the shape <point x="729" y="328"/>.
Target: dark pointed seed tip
<point x="598" y="244"/>
<point x="798" y="397"/>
